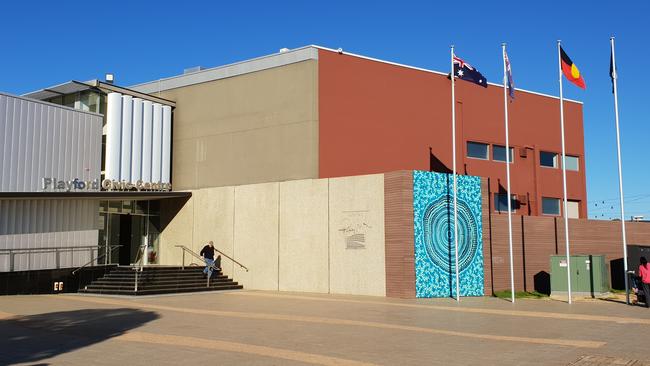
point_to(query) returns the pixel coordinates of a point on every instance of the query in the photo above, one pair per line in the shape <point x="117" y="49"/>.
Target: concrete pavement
<point x="277" y="328"/>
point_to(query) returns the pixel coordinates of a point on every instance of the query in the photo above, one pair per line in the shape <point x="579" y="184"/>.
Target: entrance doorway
<point x="131" y="225"/>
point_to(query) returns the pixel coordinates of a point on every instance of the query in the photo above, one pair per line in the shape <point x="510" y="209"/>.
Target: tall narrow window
<point x="501" y="202"/>
<point x="572" y="163"/>
<point x="478" y="150"/>
<point x="550" y="206"/>
<point x="499" y="153"/>
<point x="548" y="159"/>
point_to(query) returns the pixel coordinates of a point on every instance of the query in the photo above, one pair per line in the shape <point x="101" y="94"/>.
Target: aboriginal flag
<point x="570" y="70"/>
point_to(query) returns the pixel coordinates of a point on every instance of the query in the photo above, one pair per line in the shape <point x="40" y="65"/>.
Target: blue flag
<point x="465" y="71"/>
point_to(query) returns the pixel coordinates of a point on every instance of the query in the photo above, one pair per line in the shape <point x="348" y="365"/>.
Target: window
<point x="477" y="150"/>
<point x="501" y="203"/>
<point x="573" y="208"/>
<point x="550" y="206"/>
<point x="548" y="159"/>
<point x="572" y="163"/>
<point x="499" y="153"/>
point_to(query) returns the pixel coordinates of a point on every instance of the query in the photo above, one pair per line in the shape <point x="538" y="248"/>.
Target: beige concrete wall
<point x="252" y="128"/>
<point x="178" y="230"/>
<point x="213" y="220"/>
<point x="357" y="244"/>
<point x="304" y="243"/>
<point x="312" y="235"/>
<point x="256" y="235"/>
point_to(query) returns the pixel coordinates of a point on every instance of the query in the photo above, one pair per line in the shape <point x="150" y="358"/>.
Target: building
<point x="310" y="166"/>
<point x="313" y="112"/>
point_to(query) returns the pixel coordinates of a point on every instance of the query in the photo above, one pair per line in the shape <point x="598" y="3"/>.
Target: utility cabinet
<point x="588" y="275"/>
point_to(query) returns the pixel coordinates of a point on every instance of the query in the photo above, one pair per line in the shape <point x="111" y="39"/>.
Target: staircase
<point x="158" y="280"/>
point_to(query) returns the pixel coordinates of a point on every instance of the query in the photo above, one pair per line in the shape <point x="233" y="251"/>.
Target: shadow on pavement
<point x="38" y="337"/>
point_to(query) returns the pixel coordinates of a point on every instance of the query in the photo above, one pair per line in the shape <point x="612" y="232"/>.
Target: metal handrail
<point x="111" y="249"/>
<point x="201" y="258"/>
<point x="11" y="252"/>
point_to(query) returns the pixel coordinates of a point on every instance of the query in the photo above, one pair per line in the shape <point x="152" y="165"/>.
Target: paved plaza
<point x="277" y="328"/>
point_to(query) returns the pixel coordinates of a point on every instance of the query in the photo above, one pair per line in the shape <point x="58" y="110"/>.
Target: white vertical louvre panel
<point x="156" y="144"/>
<point x="166" y="143"/>
<point x="136" y="146"/>
<point x="113" y="135"/>
<point x="127" y="128"/>
<point x="147" y="137"/>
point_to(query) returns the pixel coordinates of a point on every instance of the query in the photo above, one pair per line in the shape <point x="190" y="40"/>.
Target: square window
<point x="501" y="203"/>
<point x="477" y="150"/>
<point x="548" y="159"/>
<point x="573" y="208"/>
<point x="499" y="153"/>
<point x="572" y="163"/>
<point x="550" y="206"/>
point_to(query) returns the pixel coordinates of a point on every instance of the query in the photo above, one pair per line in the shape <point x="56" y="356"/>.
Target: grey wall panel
<point x="47" y="223"/>
<point x="43" y="140"/>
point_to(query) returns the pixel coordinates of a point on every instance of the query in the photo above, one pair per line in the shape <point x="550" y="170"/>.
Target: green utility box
<point x="588" y="275"/>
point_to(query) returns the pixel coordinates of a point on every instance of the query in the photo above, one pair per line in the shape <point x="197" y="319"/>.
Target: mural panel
<point x="433" y="210"/>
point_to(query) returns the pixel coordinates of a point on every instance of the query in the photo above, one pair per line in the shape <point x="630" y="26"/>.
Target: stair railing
<point x="110" y="251"/>
<point x="139" y="267"/>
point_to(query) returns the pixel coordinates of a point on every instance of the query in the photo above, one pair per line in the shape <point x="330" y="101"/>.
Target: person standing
<point x="644" y="275"/>
<point x="208" y="256"/>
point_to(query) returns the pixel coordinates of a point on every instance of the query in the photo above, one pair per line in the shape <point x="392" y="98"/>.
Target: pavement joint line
<point x="346" y="322"/>
<point x="227" y="346"/>
<point x="520" y="313"/>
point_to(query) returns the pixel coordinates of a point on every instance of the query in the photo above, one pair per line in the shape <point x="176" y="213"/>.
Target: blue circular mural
<point x="438" y="228"/>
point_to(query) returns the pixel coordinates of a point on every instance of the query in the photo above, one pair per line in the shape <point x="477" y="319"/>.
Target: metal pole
<point x="453" y="143"/>
<point x="566" y="216"/>
<point x="620" y="173"/>
<point x="183" y="265"/>
<point x="505" y="109"/>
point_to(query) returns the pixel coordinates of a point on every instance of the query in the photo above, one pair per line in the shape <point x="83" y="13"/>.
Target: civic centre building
<point x="320" y="170"/>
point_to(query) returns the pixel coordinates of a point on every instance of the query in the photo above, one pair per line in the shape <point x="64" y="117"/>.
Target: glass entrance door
<point x="131" y="225"/>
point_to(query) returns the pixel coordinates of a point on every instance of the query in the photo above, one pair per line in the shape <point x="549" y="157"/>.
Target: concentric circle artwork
<point x="439" y="235"/>
<point x="435" y="254"/>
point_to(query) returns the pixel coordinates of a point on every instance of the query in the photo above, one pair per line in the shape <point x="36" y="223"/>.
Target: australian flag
<point x="465" y="71"/>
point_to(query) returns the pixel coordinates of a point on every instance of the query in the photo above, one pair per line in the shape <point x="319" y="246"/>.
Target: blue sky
<point x="46" y="43"/>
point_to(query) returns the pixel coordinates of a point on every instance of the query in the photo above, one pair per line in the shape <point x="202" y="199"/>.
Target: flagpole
<point x="566" y="216"/>
<point x="620" y="171"/>
<point x="453" y="144"/>
<point x="505" y="109"/>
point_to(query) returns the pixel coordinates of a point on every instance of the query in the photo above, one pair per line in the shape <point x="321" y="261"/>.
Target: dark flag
<point x="570" y="70"/>
<point x="612" y="72"/>
<point x="465" y="71"/>
<point x="510" y="81"/>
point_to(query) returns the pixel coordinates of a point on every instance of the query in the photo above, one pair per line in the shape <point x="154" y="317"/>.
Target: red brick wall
<point x="375" y="117"/>
<point x="536" y="238"/>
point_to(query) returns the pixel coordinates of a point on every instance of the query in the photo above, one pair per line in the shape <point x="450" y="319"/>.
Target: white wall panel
<point x="136" y="147"/>
<point x="126" y="140"/>
<point x="156" y="144"/>
<point x="166" y="143"/>
<point x="113" y="135"/>
<point x="147" y="136"/>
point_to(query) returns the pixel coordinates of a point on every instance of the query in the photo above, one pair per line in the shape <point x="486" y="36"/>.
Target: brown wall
<point x="376" y="117"/>
<point x="253" y="128"/>
<point x="398" y="215"/>
<point x="535" y="239"/>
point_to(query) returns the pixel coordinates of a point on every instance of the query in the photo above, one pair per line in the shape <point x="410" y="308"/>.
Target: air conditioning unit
<point x="523" y="152"/>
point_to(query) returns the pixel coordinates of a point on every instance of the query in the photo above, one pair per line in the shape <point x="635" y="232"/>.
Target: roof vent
<point x="192" y="69"/>
<point x="283" y="50"/>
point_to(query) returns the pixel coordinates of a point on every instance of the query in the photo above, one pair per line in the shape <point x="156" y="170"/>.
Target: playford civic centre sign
<point x="54" y="184"/>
